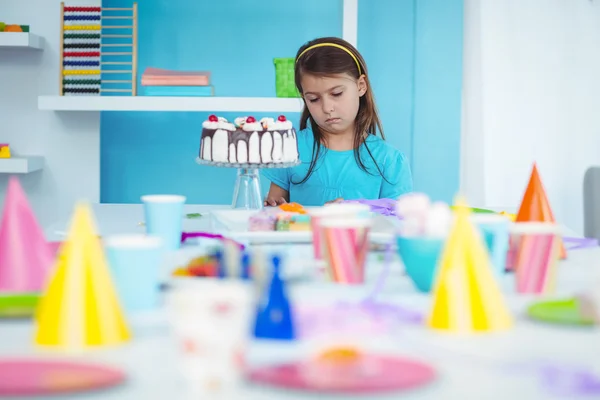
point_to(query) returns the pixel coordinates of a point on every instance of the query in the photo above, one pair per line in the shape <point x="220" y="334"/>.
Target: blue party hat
<point x="274" y="316"/>
<point x="221" y="273"/>
<point x="245" y="265"/>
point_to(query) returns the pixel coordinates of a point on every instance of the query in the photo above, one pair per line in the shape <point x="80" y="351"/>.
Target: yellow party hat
<point x="466" y="297"/>
<point x="80" y="307"/>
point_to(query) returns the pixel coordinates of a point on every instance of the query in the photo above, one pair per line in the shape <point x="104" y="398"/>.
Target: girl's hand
<point x="274" y="201"/>
<point x="277" y="196"/>
<point x="338" y="200"/>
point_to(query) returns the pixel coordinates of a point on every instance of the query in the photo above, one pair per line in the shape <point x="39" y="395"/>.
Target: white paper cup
<point x="212" y="324"/>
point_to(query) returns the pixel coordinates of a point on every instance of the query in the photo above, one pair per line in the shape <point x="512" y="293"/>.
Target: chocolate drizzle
<point x="239" y="135"/>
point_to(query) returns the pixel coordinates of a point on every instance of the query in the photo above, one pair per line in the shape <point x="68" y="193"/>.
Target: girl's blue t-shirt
<point x="337" y="173"/>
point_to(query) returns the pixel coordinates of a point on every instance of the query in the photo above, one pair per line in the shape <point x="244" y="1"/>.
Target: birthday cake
<point x="247" y="140"/>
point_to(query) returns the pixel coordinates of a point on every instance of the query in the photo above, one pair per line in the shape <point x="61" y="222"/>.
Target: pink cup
<point x="536" y="248"/>
<point x="330" y="211"/>
<point x="345" y="245"/>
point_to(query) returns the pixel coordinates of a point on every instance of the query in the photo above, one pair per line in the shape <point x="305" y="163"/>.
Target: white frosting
<point x="252" y="126"/>
<point x="266" y="145"/>
<point x="242" y="152"/>
<point x="206" y="146"/>
<point x="254" y="148"/>
<point x="267" y="122"/>
<point x="290" y="147"/>
<point x="221" y="124"/>
<point x="220" y="145"/>
<point x="281" y="126"/>
<point x="277" y="147"/>
<point x="239" y="121"/>
<point x="271" y="124"/>
<point x="210" y="125"/>
<point x="232" y="157"/>
<point x="227" y="126"/>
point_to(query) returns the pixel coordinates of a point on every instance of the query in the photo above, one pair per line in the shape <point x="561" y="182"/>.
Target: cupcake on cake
<point x="248" y="141"/>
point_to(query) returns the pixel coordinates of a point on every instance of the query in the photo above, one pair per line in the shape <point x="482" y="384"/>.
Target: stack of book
<point x="162" y="82"/>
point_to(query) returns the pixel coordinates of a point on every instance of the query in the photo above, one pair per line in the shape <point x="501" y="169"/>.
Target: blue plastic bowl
<point x="420" y="257"/>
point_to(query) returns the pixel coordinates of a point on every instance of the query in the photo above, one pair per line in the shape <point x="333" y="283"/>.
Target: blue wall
<point x="413" y="50"/>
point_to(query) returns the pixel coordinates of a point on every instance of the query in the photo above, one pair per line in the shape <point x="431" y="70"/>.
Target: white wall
<point x="69" y="141"/>
<point x="532" y="92"/>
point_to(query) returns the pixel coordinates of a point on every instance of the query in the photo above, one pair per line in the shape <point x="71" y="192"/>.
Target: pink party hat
<point x="25" y="255"/>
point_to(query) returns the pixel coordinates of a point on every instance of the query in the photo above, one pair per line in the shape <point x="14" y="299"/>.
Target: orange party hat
<point x="535" y="206"/>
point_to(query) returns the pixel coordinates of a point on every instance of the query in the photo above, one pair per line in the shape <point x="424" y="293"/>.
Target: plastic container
<point x="284" y="77"/>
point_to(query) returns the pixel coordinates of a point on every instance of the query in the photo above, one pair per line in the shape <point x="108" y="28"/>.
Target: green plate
<point x="563" y="312"/>
<point x="478" y="210"/>
<point x="18" y="305"/>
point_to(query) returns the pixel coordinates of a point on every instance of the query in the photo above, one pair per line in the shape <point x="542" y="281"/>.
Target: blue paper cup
<point x="420" y="257"/>
<point x="164" y="218"/>
<point x="135" y="262"/>
<point x="494" y="229"/>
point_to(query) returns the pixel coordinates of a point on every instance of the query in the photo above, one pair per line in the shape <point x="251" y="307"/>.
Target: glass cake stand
<point x="246" y="193"/>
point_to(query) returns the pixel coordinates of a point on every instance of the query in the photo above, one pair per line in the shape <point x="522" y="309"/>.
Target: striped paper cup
<point x="535" y="250"/>
<point x="344" y="210"/>
<point x="345" y="245"/>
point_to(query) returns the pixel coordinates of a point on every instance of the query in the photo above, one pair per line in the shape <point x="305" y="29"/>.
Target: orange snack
<point x="293" y="207"/>
<point x="341" y="355"/>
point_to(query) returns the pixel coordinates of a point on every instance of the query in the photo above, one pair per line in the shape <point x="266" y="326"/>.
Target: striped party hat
<point x="466" y="297"/>
<point x="535" y="206"/>
<point x="80" y="308"/>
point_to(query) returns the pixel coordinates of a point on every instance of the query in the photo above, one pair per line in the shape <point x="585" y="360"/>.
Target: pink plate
<point x="28" y="377"/>
<point x="373" y="374"/>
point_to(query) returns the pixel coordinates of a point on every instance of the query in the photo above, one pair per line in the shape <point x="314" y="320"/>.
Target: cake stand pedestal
<point x="246" y="193"/>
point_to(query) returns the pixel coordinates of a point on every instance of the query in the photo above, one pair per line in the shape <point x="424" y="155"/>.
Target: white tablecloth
<point x="492" y="366"/>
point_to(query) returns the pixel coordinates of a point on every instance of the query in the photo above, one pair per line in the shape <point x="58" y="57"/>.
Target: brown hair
<point x="327" y="60"/>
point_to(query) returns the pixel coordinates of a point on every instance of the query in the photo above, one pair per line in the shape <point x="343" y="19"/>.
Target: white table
<point x="475" y="367"/>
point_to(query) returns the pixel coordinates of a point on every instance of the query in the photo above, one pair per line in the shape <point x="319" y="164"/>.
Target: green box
<point x="284" y="77"/>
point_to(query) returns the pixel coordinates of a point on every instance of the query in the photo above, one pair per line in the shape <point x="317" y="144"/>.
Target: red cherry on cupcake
<point x="213" y="118"/>
<point x="281" y="118"/>
<point x="250" y="119"/>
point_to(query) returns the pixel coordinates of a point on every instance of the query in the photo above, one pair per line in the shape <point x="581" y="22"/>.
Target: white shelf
<point x="20" y="40"/>
<point x="21" y="164"/>
<point x="160" y="103"/>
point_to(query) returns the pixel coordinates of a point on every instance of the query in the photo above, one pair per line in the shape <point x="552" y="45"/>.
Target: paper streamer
<point x="386" y="207"/>
<point x="190" y="235"/>
<point x="574" y="243"/>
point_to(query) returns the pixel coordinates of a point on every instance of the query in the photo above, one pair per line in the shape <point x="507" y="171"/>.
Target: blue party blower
<point x="274" y="316"/>
<point x="420" y="257"/>
<point x="164" y="218"/>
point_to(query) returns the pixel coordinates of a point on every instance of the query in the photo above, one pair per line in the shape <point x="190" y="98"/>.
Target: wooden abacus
<point x="87" y="53"/>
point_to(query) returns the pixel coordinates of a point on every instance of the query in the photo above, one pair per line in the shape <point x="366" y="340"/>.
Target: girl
<point x="347" y="158"/>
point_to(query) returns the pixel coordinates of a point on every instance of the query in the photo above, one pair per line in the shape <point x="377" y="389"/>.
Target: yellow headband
<point x="332" y="45"/>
